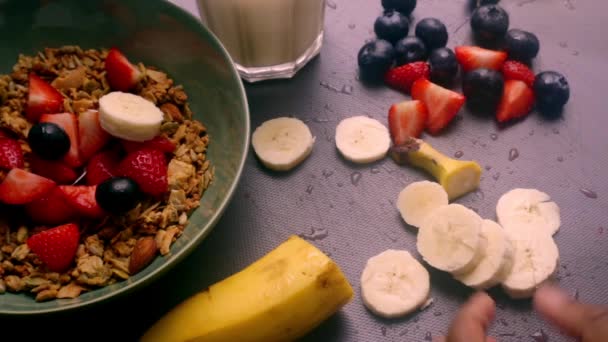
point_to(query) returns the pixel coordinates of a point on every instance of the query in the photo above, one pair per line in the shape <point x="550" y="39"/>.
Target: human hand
<point x="472" y="321"/>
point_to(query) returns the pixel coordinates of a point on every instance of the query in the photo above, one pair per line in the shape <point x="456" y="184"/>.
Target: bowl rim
<point x="189" y="247"/>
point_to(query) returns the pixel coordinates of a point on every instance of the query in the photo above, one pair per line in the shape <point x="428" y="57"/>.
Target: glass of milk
<point x="267" y="39"/>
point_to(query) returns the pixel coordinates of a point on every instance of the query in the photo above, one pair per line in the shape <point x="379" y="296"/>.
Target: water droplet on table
<point x="340" y="185"/>
<point x="600" y="230"/>
<point x="331" y="4"/>
<point x="355" y="177"/>
<point x="531" y="133"/>
<point x="321" y="120"/>
<point x="560" y="159"/>
<point x="494" y="136"/>
<point x="496" y="176"/>
<point x="507" y="334"/>
<point x="458" y="154"/>
<point x="563" y="44"/>
<point x="503" y="322"/>
<point x="513" y="154"/>
<point x="589" y="193"/>
<point x="437" y="313"/>
<point x="480" y="194"/>
<point x="374" y="170"/>
<point x="488" y="167"/>
<point x="540" y="336"/>
<point x="403" y="333"/>
<point x="428" y="336"/>
<point x="327" y="173"/>
<point x="309" y="189"/>
<point x="316" y="233"/>
<point x="352" y="26"/>
<point x="347" y="89"/>
<point x="569" y="5"/>
<point x="383" y="331"/>
<point x="329" y="86"/>
<point x="575" y="53"/>
<point x="555" y="130"/>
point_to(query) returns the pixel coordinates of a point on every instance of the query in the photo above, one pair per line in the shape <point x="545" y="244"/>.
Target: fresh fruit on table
<point x="444" y="66"/>
<point x="82" y="199"/>
<point x="374" y="60"/>
<point x="432" y="32"/>
<point x="362" y="140"/>
<point x="280" y="297"/>
<point x="458" y="177"/>
<point x="552" y="92"/>
<point x="92" y="137"/>
<point x="68" y="122"/>
<point x="513" y="70"/>
<point x="403" y="77"/>
<point x="517" y="101"/>
<point x="55" y="170"/>
<point x="528" y="211"/>
<point x="121" y="74"/>
<point x="148" y="168"/>
<point x="391" y="26"/>
<point x="417" y="200"/>
<point x="406" y="7"/>
<point x="129" y="116"/>
<point x="489" y="23"/>
<point x="483" y="89"/>
<point x="11" y="155"/>
<point x="282" y="143"/>
<point x="496" y="261"/>
<point x="409" y="50"/>
<point x="50" y="209"/>
<point x="42" y="99"/>
<point x="48" y="140"/>
<point x="160" y="143"/>
<point x="394" y="284"/>
<point x="442" y="104"/>
<point x="521" y="45"/>
<point x="102" y="166"/>
<point x="474" y="57"/>
<point x="406" y="120"/>
<point x="56" y="247"/>
<point x="117" y="195"/>
<point x="21" y="187"/>
<point x="450" y="239"/>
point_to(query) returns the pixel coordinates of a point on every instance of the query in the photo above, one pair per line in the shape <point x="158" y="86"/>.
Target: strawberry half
<point x="473" y="57"/>
<point x="56" y="247"/>
<point x="442" y="104"/>
<point x="121" y="74"/>
<point x="148" y="168"/>
<point x="11" y="155"/>
<point x="517" y="101"/>
<point x="82" y="199"/>
<point x="42" y="99"/>
<point x="102" y="166"/>
<point x="69" y="123"/>
<point x="513" y="70"/>
<point x="53" y="169"/>
<point x="406" y="120"/>
<point x="92" y="137"/>
<point x="402" y="77"/>
<point x="50" y="209"/>
<point x="160" y="143"/>
<point x="21" y="187"/>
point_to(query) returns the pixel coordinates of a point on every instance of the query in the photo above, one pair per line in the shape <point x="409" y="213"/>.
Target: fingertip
<point x="549" y="298"/>
<point x="484" y="304"/>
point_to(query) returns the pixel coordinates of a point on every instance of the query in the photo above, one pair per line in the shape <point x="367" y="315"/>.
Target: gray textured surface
<point x="360" y="218"/>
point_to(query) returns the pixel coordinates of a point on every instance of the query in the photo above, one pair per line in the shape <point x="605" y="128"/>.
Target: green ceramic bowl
<point x="156" y="33"/>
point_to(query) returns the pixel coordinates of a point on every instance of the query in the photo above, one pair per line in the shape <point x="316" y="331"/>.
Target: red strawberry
<point x="473" y="57"/>
<point x="160" y="143"/>
<point x="54" y="170"/>
<point x="50" y="209"/>
<point x="11" y="155"/>
<point x="402" y="77"/>
<point x="517" y="101"/>
<point x="42" y="99"/>
<point x="92" y="137"/>
<point x="56" y="247"/>
<point x="121" y="74"/>
<point x="148" y="168"/>
<point x="441" y="103"/>
<point x="101" y="167"/>
<point x="21" y="187"/>
<point x="82" y="199"/>
<point x="406" y="119"/>
<point x="513" y="70"/>
<point x="69" y="123"/>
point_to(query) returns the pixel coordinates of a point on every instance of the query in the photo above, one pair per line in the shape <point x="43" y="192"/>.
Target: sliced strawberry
<point x="56" y="247"/>
<point x="21" y="187"/>
<point x="53" y="169"/>
<point x="473" y="57"/>
<point x="82" y="199"/>
<point x="406" y="120"/>
<point x="160" y="143"/>
<point x="517" y="101"/>
<point x="92" y="137"/>
<point x="50" y="209"/>
<point x="402" y="77"/>
<point x="102" y="166"/>
<point x="513" y="70"/>
<point x="148" y="168"/>
<point x="121" y="74"/>
<point x="69" y="123"/>
<point x="442" y="104"/>
<point x="11" y="155"/>
<point x="42" y="99"/>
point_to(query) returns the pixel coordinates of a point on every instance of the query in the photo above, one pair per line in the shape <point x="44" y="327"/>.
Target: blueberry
<point x="48" y="140"/>
<point x="521" y="45"/>
<point x="444" y="66"/>
<point x="374" y="59"/>
<point x="483" y="90"/>
<point x="406" y="7"/>
<point x="552" y="92"/>
<point x="391" y="26"/>
<point x="433" y="33"/>
<point x="410" y="49"/>
<point x="490" y="23"/>
<point x="117" y="195"/>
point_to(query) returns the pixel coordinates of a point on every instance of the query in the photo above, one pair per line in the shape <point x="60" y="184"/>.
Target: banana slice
<point x="528" y="211"/>
<point x="419" y="199"/>
<point x="496" y="260"/>
<point x="282" y="143"/>
<point x="394" y="284"/>
<point x="129" y="116"/>
<point x="449" y="239"/>
<point x="535" y="261"/>
<point x="362" y="140"/>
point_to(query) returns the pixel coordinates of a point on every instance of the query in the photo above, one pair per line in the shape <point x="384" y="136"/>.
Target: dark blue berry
<point x="552" y="92"/>
<point x="48" y="140"/>
<point x="521" y="45"/>
<point x="490" y="23"/>
<point x="406" y="7"/>
<point x="483" y="89"/>
<point x="374" y="59"/>
<point x="117" y="195"/>
<point x="410" y="49"/>
<point x="391" y="26"/>
<point x="433" y="33"/>
<point x="444" y="66"/>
